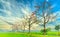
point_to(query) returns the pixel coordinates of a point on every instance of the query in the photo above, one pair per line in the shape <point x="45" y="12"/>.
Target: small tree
<point x="57" y="27"/>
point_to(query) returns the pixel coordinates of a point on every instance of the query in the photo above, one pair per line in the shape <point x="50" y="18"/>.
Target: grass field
<point x="33" y="34"/>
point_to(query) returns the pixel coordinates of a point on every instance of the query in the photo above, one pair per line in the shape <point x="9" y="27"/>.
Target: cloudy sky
<point x="11" y="10"/>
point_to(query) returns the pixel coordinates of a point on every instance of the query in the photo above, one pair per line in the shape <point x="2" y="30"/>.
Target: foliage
<point x="57" y="27"/>
<point x="47" y="30"/>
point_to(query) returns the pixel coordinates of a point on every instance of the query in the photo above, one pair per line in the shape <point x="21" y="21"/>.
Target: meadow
<point x="25" y="34"/>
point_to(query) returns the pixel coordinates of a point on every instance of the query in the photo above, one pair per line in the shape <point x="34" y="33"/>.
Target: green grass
<point x="32" y="34"/>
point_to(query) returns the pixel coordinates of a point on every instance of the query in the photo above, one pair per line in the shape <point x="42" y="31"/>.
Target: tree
<point x="57" y="27"/>
<point x="24" y="24"/>
<point x="31" y="19"/>
<point x="18" y="25"/>
<point x="45" y="13"/>
<point x="21" y="24"/>
<point x="15" y="27"/>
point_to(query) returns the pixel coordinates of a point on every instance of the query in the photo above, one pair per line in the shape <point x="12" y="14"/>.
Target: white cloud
<point x="6" y="11"/>
<point x="5" y="2"/>
<point x="58" y="14"/>
<point x="53" y="6"/>
<point x="46" y="0"/>
<point x="25" y="11"/>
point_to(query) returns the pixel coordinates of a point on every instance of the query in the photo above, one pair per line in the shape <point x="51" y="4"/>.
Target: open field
<point x="33" y="34"/>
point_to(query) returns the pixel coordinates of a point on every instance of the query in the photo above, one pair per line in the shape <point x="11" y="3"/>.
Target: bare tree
<point x="45" y="13"/>
<point x="31" y="20"/>
<point x="24" y="23"/>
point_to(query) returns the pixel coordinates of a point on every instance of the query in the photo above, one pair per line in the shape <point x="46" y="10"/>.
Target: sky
<point x="11" y="10"/>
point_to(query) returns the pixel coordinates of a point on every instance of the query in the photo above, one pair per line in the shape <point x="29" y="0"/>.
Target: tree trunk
<point x="44" y="26"/>
<point x="29" y="28"/>
<point x="44" y="30"/>
<point x="29" y="25"/>
<point x="24" y="29"/>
